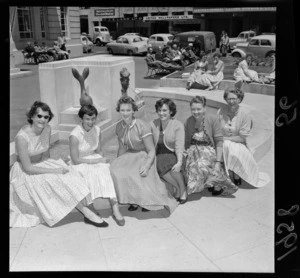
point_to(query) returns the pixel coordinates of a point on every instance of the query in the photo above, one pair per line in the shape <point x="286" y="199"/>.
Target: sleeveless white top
<point x="88" y="140"/>
<point x="37" y="144"/>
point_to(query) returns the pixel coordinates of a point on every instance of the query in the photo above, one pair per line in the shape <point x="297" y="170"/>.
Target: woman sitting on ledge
<point x="134" y="171"/>
<point x="201" y="66"/>
<point x="87" y="158"/>
<point x="43" y="189"/>
<point x="204" y="159"/>
<point x="243" y="73"/>
<point x="213" y="77"/>
<point x="236" y="125"/>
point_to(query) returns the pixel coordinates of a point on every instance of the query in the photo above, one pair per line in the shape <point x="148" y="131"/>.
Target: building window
<point x="43" y="22"/>
<point x="177" y="13"/>
<point x="64" y="21"/>
<point x="25" y="23"/>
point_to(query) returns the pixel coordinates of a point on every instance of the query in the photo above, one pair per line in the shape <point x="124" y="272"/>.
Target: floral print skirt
<point x="199" y="171"/>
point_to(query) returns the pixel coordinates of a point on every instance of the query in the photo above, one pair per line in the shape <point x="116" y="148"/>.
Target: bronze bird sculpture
<point x="85" y="99"/>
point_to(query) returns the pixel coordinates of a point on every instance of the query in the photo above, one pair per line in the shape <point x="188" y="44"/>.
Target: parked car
<point x="136" y="34"/>
<point x="101" y="35"/>
<point x="260" y="46"/>
<point x="129" y="45"/>
<point x="87" y="45"/>
<point x="206" y="40"/>
<point x="242" y="37"/>
<point x="157" y="40"/>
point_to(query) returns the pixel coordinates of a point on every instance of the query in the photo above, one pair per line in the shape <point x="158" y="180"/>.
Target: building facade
<point x="44" y="24"/>
<point x="150" y="20"/>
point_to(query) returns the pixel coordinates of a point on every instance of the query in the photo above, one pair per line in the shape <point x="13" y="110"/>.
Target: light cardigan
<point x="173" y="135"/>
<point x="213" y="129"/>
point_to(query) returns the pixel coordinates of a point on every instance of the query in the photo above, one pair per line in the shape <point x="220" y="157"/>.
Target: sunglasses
<point x="41" y="116"/>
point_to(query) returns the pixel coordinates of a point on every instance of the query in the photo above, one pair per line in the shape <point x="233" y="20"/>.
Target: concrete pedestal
<point x="61" y="91"/>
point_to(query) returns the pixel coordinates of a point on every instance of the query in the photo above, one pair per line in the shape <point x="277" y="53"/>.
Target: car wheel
<point x="98" y="42"/>
<point x="236" y="55"/>
<point x="269" y="54"/>
<point x="130" y="52"/>
<point x="110" y="51"/>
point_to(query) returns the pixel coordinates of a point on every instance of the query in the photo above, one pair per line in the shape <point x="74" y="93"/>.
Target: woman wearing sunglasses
<point x="43" y="189"/>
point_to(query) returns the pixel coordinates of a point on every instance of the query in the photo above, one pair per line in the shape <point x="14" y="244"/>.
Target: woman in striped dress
<point x="236" y="124"/>
<point x="43" y="189"/>
<point x="87" y="158"/>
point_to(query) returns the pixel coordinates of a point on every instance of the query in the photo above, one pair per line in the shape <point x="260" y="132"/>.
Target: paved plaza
<point x="207" y="234"/>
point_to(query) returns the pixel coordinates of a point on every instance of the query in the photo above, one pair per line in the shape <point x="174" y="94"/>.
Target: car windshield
<point x="241" y="35"/>
<point x="176" y="39"/>
<point x="254" y="42"/>
<point x="152" y="38"/>
<point x="191" y="39"/>
<point x="265" y="42"/>
<point x="119" y="40"/>
<point x="170" y="38"/>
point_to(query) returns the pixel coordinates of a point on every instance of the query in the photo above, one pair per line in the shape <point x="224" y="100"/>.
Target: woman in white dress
<point x="87" y="158"/>
<point x="213" y="77"/>
<point x="236" y="125"/>
<point x="201" y="66"/>
<point x="243" y="73"/>
<point x="43" y="189"/>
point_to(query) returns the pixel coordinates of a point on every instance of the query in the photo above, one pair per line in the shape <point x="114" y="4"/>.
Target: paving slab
<point x="163" y="250"/>
<point x="70" y="245"/>
<point x="216" y="230"/>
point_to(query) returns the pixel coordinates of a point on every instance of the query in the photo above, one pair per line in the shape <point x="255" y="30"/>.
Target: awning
<point x="234" y="10"/>
<point x="167" y="17"/>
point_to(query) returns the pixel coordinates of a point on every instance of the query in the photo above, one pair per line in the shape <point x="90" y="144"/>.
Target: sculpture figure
<point x="124" y="74"/>
<point x="85" y="99"/>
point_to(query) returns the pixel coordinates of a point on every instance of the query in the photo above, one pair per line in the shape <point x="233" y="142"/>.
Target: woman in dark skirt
<point x="168" y="135"/>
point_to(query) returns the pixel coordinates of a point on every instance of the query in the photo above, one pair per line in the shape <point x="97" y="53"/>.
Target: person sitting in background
<point x="201" y="66"/>
<point x="243" y="73"/>
<point x="270" y="78"/>
<point x="88" y="159"/>
<point x="61" y="54"/>
<point x="236" y="125"/>
<point x="213" y="77"/>
<point x="159" y="55"/>
<point x="30" y="52"/>
<point x="176" y="52"/>
<point x="62" y="41"/>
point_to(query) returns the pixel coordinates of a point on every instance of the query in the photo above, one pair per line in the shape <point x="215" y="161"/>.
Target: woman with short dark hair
<point x="168" y="134"/>
<point x="204" y="159"/>
<point x="88" y="159"/>
<point x="236" y="125"/>
<point x="43" y="189"/>
<point x="134" y="171"/>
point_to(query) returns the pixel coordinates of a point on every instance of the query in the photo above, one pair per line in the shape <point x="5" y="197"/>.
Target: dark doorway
<point x="84" y="25"/>
<point x="160" y="27"/>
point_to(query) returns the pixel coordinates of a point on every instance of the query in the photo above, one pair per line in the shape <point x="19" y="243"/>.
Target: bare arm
<point x="148" y="142"/>
<point x="99" y="147"/>
<point x="217" y="69"/>
<point x="22" y="149"/>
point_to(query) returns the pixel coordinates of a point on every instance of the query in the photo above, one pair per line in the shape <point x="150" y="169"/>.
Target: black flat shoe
<point x="98" y="225"/>
<point x="237" y="181"/>
<point x="119" y="222"/>
<point x="145" y="210"/>
<point x="217" y="192"/>
<point x="182" y="201"/>
<point x="132" y="208"/>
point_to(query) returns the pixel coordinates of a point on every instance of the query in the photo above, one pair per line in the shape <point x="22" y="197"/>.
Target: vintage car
<point x="129" y="45"/>
<point x="161" y="40"/>
<point x="136" y="34"/>
<point x="242" y="37"/>
<point x="87" y="45"/>
<point x="101" y="35"/>
<point x="204" y="40"/>
<point x="260" y="46"/>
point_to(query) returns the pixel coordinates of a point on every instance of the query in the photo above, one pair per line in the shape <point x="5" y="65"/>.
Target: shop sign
<point x="104" y="12"/>
<point x="167" y="17"/>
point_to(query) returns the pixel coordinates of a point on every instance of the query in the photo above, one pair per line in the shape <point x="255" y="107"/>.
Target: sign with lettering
<point x="104" y="12"/>
<point x="167" y="17"/>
